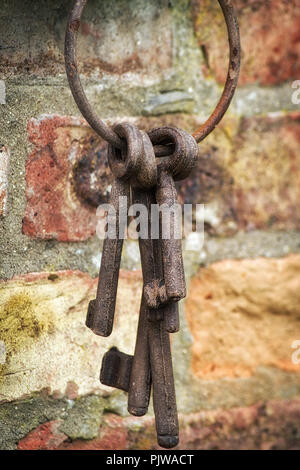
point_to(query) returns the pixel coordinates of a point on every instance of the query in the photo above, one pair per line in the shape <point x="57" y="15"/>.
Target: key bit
<point x="155" y="293"/>
<point x="116" y="369"/>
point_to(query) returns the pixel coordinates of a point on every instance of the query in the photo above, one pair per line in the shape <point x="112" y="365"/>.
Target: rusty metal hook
<point x="103" y="129"/>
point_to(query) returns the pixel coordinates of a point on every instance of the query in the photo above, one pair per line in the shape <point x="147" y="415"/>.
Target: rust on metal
<point x="176" y="167"/>
<point x="163" y="275"/>
<point x="232" y="75"/>
<point x="101" y="311"/>
<point x="140" y="379"/>
<point x="124" y="165"/>
<point x="164" y="397"/>
<point x="116" y="369"/>
<point x="74" y="80"/>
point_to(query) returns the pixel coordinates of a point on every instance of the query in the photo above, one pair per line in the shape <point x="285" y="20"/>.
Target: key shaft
<point x="100" y="316"/>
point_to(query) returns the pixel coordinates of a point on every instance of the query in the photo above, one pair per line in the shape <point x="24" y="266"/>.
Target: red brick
<point x="273" y="425"/>
<point x="248" y="169"/>
<point x="248" y="174"/>
<point x="45" y="437"/>
<point x="61" y="149"/>
<point x="270" y="425"/>
<point x="270" y="36"/>
<point x="54" y="210"/>
<point x="113" y="435"/>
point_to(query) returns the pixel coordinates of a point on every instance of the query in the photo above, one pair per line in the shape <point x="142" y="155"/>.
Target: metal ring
<point x="126" y="162"/>
<point x="185" y="151"/>
<point x="137" y="163"/>
<point x="103" y="129"/>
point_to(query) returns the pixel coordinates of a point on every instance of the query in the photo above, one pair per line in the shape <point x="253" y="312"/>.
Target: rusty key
<point x="152" y="267"/>
<point x="154" y="291"/>
<point x="139" y="168"/>
<point x="124" y="164"/>
<point x="176" y="167"/>
<point x="140" y="380"/>
<point x="152" y="359"/>
<point x="101" y="310"/>
<point x="153" y="342"/>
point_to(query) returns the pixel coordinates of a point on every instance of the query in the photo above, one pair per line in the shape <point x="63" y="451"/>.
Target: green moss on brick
<point x="84" y="418"/>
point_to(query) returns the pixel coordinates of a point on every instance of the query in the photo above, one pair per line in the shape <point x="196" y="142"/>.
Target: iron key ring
<point x="103" y="129"/>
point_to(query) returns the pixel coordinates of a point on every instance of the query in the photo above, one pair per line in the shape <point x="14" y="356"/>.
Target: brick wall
<point x="150" y="62"/>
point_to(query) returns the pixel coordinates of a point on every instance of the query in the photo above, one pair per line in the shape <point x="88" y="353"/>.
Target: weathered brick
<point x="4" y="162"/>
<point x="244" y="315"/>
<point x="65" y="151"/>
<point x="113" y="435"/>
<point x="42" y="323"/>
<point x="45" y="437"/>
<point x="33" y="37"/>
<point x="273" y="425"/>
<point x="269" y="35"/>
<point x="248" y="175"/>
<point x="266" y="426"/>
<point x="54" y="208"/>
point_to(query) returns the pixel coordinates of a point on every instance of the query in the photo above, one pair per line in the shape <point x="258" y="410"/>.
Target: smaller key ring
<point x="184" y="156"/>
<point x="137" y="163"/>
<point x="103" y="129"/>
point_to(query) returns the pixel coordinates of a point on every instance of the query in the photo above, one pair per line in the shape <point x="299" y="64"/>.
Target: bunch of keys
<point x="137" y="174"/>
<point x="149" y="182"/>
